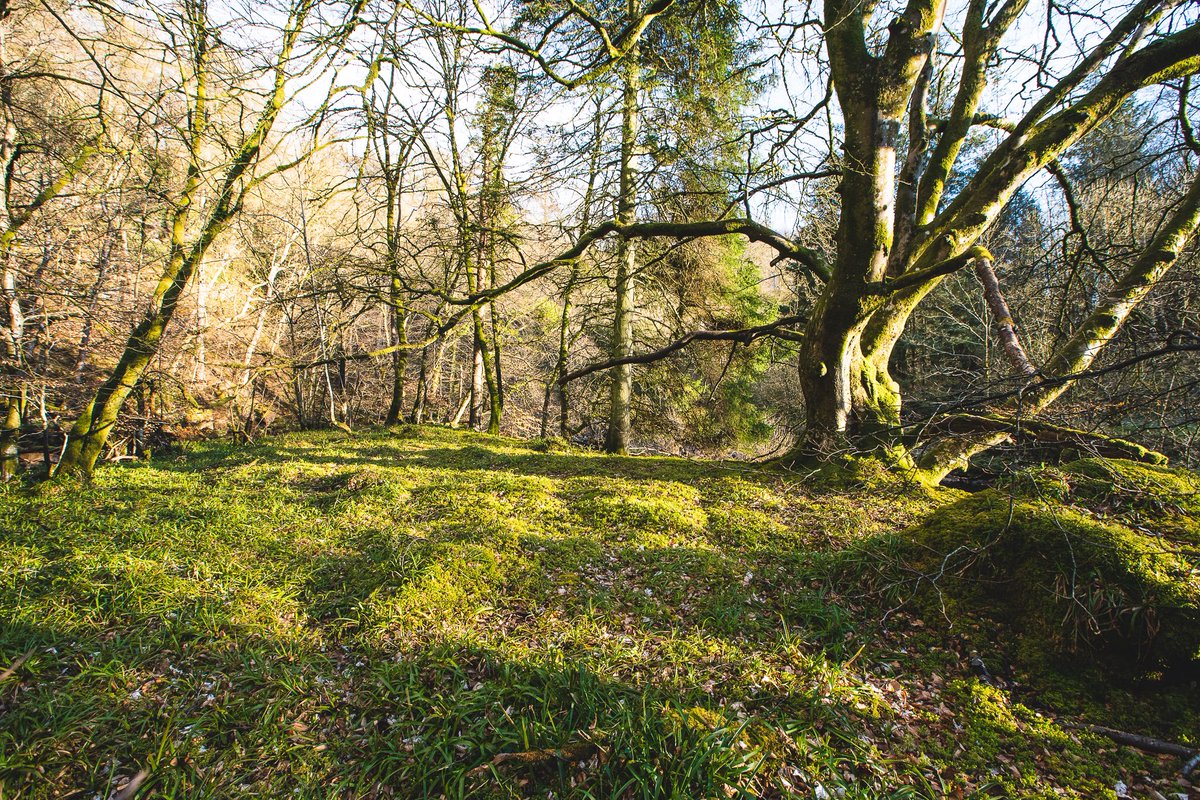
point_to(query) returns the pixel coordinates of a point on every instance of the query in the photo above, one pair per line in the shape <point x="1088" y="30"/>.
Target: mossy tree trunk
<point x="498" y="123"/>
<point x="399" y="326"/>
<point x="397" y="315"/>
<point x="88" y="435"/>
<point x="555" y="384"/>
<point x="12" y="392"/>
<point x="848" y="399"/>
<point x="391" y="143"/>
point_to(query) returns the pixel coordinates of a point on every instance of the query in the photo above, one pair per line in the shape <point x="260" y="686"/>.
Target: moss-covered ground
<point x="428" y="613"/>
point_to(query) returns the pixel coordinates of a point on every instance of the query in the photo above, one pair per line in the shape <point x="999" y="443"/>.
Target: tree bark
<point x="399" y="324"/>
<point x="620" y="393"/>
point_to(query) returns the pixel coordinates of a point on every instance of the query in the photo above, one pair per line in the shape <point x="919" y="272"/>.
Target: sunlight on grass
<point x="424" y="613"/>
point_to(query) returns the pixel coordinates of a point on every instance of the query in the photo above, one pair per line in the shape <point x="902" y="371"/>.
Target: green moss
<point x="1065" y="579"/>
<point x="652" y="512"/>
<point x="1161" y="499"/>
<point x="885" y="472"/>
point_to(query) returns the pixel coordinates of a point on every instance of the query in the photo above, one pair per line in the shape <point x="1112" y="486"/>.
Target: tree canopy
<point x="901" y="230"/>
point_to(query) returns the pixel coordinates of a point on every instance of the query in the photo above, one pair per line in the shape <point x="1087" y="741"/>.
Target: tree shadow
<point x="216" y="715"/>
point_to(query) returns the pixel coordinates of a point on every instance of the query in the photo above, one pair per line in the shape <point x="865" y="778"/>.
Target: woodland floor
<point x="426" y="613"/>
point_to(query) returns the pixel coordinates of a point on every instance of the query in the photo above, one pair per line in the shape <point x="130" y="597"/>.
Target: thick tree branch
<point x="1145" y="12"/>
<point x="756" y="232"/>
<point x="1006" y="327"/>
<point x="910" y="280"/>
<point x="1030" y="149"/>
<point x="980" y="41"/>
<point x="779" y="328"/>
<point x="1100" y="445"/>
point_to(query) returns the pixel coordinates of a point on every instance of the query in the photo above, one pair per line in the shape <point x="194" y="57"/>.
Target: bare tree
<point x="203" y="56"/>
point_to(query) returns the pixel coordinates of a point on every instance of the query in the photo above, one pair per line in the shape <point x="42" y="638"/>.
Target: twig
<point x="128" y="791"/>
<point x="16" y="665"/>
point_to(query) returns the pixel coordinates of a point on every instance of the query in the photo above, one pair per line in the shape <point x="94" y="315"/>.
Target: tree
<point x="204" y="57"/>
<point x="392" y="136"/>
<point x="51" y="128"/>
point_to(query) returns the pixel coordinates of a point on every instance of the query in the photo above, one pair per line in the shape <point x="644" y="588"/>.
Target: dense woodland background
<point x="349" y="204"/>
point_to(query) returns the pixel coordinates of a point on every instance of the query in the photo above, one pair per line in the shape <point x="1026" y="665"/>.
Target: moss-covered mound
<point x="1153" y="499"/>
<point x="1064" y="580"/>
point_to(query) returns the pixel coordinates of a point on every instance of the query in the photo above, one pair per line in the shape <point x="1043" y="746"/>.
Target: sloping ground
<point x="425" y="613"/>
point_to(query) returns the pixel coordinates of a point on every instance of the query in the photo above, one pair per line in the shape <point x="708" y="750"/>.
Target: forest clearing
<point x="599" y="399"/>
<point x="434" y="613"/>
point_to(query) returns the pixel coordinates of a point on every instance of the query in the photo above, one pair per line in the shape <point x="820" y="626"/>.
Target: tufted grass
<point x="429" y="613"/>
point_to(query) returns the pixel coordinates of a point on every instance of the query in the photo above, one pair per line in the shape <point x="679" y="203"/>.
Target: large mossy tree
<point x="899" y="235"/>
<point x="912" y="208"/>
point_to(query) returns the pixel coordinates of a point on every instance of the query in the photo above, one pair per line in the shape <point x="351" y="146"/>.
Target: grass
<point x="429" y="613"/>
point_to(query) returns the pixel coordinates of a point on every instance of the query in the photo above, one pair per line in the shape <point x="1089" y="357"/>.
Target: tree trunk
<point x="496" y="387"/>
<point x="556" y="384"/>
<point x="94" y="424"/>
<point x="10" y="432"/>
<point x="421" y="400"/>
<point x="850" y="402"/>
<point x="478" y="359"/>
<point x="12" y="393"/>
<point x="621" y="376"/>
<point x="399" y="357"/>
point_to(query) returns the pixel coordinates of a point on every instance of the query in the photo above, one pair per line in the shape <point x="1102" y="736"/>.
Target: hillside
<point x="424" y="612"/>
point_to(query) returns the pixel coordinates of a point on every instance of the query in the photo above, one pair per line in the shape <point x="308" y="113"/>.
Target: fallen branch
<point x="16" y="665"/>
<point x="572" y="753"/>
<point x="1147" y="744"/>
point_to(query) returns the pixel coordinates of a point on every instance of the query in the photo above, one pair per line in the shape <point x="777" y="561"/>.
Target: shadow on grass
<point x="466" y="450"/>
<point x="468" y="637"/>
<point x="444" y="718"/>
